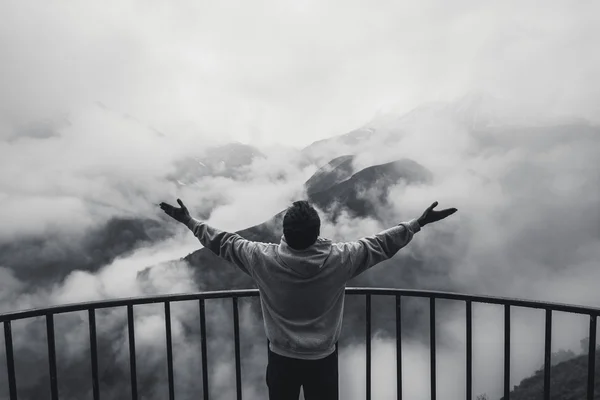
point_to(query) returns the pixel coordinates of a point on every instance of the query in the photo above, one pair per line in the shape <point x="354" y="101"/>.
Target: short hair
<point x="301" y="225"/>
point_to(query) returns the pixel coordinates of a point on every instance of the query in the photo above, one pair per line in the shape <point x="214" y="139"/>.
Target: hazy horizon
<point x="291" y="73"/>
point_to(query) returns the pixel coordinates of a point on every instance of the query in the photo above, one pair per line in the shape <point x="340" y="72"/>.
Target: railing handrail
<point x="220" y="294"/>
<point x="91" y="307"/>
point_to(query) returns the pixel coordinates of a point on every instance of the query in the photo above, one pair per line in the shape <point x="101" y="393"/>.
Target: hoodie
<point x="302" y="291"/>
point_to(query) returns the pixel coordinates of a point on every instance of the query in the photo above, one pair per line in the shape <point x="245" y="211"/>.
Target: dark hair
<point x="301" y="225"/>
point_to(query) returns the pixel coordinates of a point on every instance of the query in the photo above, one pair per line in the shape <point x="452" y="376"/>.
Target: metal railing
<point x="91" y="308"/>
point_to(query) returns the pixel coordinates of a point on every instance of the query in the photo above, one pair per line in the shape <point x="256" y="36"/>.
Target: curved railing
<point x="90" y="307"/>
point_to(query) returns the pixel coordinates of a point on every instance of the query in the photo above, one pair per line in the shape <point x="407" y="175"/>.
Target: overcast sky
<point x="291" y="72"/>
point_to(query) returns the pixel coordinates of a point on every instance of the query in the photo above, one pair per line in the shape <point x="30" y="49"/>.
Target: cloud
<point x="296" y="72"/>
<point x="523" y="229"/>
<point x="63" y="201"/>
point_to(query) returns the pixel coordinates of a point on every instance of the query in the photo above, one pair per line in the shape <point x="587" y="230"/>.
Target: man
<point x="301" y="282"/>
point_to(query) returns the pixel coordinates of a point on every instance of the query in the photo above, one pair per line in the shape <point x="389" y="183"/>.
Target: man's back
<point x="302" y="291"/>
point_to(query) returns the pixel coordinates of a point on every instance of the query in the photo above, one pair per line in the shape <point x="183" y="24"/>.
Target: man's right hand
<point x="180" y="214"/>
<point x="430" y="215"/>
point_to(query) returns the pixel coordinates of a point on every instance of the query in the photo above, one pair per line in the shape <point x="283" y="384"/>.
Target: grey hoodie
<point x="302" y="291"/>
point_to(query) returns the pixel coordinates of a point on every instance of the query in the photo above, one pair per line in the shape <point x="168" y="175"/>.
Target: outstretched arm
<point x="370" y="251"/>
<point x="229" y="246"/>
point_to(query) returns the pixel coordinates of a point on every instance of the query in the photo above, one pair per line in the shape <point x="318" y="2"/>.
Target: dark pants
<point x="319" y="378"/>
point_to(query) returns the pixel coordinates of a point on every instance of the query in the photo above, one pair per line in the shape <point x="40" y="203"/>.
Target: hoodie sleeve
<point x="229" y="246"/>
<point x="369" y="251"/>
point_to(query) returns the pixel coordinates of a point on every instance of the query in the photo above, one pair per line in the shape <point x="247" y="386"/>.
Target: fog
<point x="99" y="102"/>
<point x="291" y="72"/>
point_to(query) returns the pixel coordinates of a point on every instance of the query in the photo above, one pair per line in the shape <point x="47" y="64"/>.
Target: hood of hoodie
<point x="307" y="262"/>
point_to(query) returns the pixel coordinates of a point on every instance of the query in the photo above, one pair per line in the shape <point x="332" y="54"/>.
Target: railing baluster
<point x="132" y="365"/>
<point x="591" y="358"/>
<point x="10" y="361"/>
<point x="52" y="356"/>
<point x="547" y="354"/>
<point x="203" y="348"/>
<point x="49" y="313"/>
<point x="368" y="344"/>
<point x="469" y="347"/>
<point x="169" y="349"/>
<point x="236" y="336"/>
<point x="506" y="352"/>
<point x="94" y="353"/>
<point x="432" y="345"/>
<point x="399" y="347"/>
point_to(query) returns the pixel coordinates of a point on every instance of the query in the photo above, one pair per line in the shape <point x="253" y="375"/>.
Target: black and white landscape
<point x="370" y="111"/>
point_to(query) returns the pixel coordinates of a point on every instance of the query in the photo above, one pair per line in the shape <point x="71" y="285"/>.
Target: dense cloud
<point x="526" y="227"/>
<point x="292" y="72"/>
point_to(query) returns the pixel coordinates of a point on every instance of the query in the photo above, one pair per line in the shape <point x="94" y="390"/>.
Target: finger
<point x="181" y="204"/>
<point x="451" y="210"/>
<point x="447" y="212"/>
<point x="431" y="207"/>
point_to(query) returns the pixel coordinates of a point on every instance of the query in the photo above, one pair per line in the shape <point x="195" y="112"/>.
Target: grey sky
<point x="292" y="72"/>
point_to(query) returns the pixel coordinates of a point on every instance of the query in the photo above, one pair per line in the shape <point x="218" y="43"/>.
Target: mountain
<point x="366" y="191"/>
<point x="474" y="113"/>
<point x="227" y="161"/>
<point x="330" y="148"/>
<point x="39" y="260"/>
<point x="213" y="273"/>
<point x="337" y="170"/>
<point x="568" y="381"/>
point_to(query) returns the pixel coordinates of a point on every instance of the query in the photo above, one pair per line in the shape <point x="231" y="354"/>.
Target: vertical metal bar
<point x="432" y="345"/>
<point x="52" y="356"/>
<point x="236" y="336"/>
<point x="469" y="346"/>
<point x="591" y="358"/>
<point x="169" y="349"/>
<point x="547" y="354"/>
<point x="132" y="366"/>
<point x="203" y="348"/>
<point x="94" y="353"/>
<point x="506" y="352"/>
<point x="399" y="347"/>
<point x="368" y="344"/>
<point x="10" y="361"/>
